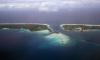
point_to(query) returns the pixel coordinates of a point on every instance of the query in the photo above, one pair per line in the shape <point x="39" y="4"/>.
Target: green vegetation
<point x="71" y="27"/>
<point x="32" y="27"/>
<point x="81" y="27"/>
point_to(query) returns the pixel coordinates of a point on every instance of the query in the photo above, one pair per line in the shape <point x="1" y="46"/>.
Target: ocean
<point x="42" y="45"/>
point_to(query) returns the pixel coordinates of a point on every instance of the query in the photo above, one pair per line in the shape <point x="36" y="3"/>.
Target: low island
<point x="80" y="27"/>
<point x="30" y="26"/>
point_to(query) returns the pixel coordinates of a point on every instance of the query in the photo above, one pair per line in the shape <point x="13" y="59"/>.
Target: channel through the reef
<point x="54" y="38"/>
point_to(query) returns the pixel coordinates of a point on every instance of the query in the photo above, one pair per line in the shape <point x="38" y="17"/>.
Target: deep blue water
<point x="27" y="45"/>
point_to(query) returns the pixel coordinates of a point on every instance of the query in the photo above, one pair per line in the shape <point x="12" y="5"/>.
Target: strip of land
<point x="80" y="27"/>
<point x="30" y="26"/>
